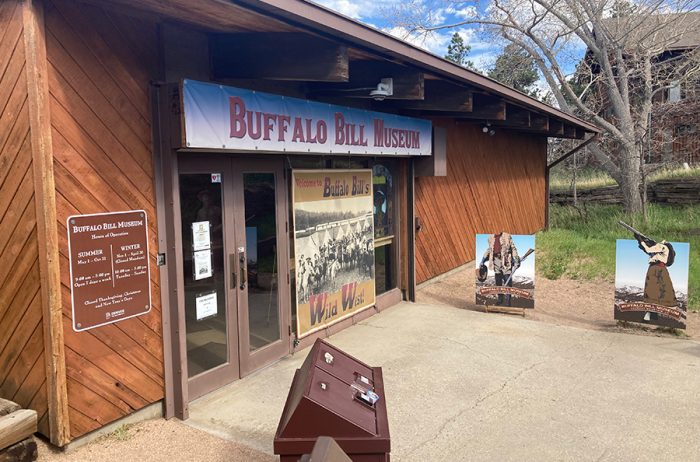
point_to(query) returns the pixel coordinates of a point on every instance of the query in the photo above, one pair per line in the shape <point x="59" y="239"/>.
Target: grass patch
<point x="675" y="173"/>
<point x="122" y="432"/>
<point x="586" y="178"/>
<point x="590" y="178"/>
<point x="658" y="329"/>
<point x="582" y="245"/>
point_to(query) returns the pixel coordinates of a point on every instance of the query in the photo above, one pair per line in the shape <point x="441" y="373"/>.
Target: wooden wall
<point x="22" y="365"/>
<point x="493" y="183"/>
<point x="99" y="67"/>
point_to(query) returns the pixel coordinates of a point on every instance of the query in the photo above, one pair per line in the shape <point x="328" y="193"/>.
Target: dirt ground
<point x="156" y="440"/>
<point x="563" y="302"/>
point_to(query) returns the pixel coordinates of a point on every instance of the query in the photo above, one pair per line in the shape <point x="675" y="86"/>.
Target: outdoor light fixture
<point x="384" y="88"/>
<point x="488" y="130"/>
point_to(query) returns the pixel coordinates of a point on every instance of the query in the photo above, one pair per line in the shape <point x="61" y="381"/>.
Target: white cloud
<point x="462" y="12"/>
<point x="373" y="13"/>
<point x="483" y="54"/>
<point x="434" y="42"/>
<point x="356" y="9"/>
<point x="483" y="61"/>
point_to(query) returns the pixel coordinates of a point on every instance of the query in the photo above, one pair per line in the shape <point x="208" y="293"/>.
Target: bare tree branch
<point x="626" y="65"/>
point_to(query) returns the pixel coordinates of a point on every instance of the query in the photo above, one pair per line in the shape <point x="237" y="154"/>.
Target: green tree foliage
<point x="457" y="52"/>
<point x="516" y="68"/>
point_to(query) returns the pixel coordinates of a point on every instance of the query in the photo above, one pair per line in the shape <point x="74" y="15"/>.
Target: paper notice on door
<point x="206" y="306"/>
<point x="202" y="264"/>
<point x="200" y="236"/>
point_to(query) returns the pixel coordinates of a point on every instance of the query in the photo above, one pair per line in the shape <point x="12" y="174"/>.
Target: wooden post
<point x="47" y="227"/>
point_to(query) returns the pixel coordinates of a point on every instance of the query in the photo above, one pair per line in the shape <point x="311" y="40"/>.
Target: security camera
<point x="384" y="88"/>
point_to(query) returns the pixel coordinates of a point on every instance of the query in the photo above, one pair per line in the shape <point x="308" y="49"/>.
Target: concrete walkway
<point x="464" y="385"/>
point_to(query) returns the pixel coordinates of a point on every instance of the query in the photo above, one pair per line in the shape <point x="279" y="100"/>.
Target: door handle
<point x="243" y="267"/>
<point x="232" y="266"/>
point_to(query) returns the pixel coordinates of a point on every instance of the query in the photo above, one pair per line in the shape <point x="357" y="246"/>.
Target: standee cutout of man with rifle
<point x="502" y="257"/>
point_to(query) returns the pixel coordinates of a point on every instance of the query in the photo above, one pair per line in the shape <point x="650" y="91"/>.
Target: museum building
<point x="192" y="190"/>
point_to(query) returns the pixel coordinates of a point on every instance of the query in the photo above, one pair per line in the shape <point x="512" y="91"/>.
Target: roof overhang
<point x="482" y="99"/>
<point x="316" y="17"/>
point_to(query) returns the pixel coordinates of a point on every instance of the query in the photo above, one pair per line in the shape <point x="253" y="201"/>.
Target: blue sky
<point x="375" y="12"/>
<point x="522" y="242"/>
<point x="632" y="263"/>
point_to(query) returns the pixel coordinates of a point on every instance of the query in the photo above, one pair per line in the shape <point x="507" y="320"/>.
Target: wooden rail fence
<point x="678" y="191"/>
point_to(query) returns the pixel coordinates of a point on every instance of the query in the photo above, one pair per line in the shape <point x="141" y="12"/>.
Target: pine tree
<point x="457" y="52"/>
<point x="514" y="67"/>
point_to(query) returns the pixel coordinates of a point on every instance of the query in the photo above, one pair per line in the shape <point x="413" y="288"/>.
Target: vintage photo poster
<point x="651" y="282"/>
<point x="200" y="236"/>
<point x="505" y="270"/>
<point x="202" y="264"/>
<point x="333" y="246"/>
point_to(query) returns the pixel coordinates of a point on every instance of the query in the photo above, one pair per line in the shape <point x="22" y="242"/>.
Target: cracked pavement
<point x="464" y="385"/>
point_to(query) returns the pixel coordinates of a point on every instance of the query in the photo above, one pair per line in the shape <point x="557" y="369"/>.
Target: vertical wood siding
<point x="99" y="67"/>
<point x="22" y="365"/>
<point x="493" y="183"/>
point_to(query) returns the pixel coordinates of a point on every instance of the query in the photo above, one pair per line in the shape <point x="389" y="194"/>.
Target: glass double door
<point x="234" y="267"/>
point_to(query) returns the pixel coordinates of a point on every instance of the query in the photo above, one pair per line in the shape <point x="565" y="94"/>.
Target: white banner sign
<point x="219" y="117"/>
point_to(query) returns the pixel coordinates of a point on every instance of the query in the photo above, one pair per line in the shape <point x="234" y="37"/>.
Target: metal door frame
<point x="231" y="167"/>
<point x="250" y="362"/>
<point x="220" y="375"/>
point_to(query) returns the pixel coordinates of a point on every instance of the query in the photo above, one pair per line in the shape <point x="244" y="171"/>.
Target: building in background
<point x="674" y="43"/>
<point x="193" y="116"/>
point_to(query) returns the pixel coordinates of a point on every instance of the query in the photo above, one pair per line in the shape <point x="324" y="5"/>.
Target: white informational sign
<point x="202" y="264"/>
<point x="200" y="236"/>
<point x="206" y="306"/>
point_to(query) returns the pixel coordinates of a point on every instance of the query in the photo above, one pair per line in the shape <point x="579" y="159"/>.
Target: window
<point x="384" y="224"/>
<point x="674" y="92"/>
<point x="685" y="129"/>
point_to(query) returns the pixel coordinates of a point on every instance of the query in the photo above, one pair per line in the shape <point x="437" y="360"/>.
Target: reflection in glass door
<point x="233" y="249"/>
<point x="261" y="246"/>
<point x="209" y="307"/>
<point x="263" y="324"/>
<point x="203" y="264"/>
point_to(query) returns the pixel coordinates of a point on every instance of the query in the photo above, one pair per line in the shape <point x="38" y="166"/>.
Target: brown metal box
<point x="323" y="401"/>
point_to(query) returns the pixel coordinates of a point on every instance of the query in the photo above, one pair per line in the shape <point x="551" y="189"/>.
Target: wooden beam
<point x="440" y="96"/>
<point x="8" y="407"/>
<point x="569" y="131"/>
<point x="539" y="122"/>
<point x="278" y="56"/>
<point x="486" y="107"/>
<point x="47" y="226"/>
<point x="517" y="116"/>
<point x="409" y="84"/>
<point x="17" y="426"/>
<point x="556" y="127"/>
